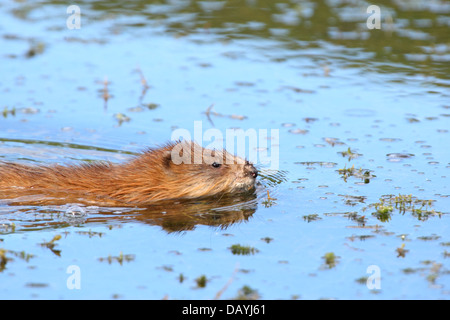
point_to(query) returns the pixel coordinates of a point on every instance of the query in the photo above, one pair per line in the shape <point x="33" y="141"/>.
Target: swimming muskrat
<point x="156" y="174"/>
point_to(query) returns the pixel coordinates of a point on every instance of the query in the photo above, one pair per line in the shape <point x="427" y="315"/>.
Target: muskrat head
<point x="204" y="172"/>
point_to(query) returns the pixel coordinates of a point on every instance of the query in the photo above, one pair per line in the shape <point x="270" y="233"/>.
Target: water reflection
<point x="28" y="213"/>
<point x="183" y="216"/>
<point x="413" y="33"/>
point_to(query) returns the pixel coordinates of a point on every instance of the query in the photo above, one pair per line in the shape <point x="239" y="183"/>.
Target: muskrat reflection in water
<point x="171" y="215"/>
<point x="187" y="214"/>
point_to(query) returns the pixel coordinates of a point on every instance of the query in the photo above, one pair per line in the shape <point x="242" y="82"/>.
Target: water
<point x="361" y="114"/>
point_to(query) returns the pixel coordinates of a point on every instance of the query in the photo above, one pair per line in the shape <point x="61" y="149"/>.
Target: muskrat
<point x="156" y="174"/>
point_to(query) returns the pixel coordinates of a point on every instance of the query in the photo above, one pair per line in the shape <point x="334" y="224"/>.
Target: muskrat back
<point x="172" y="171"/>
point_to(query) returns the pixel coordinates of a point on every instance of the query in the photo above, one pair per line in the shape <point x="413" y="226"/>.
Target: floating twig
<point x="144" y="84"/>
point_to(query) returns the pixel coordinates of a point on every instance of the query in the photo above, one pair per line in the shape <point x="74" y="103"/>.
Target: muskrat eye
<point x="216" y="165"/>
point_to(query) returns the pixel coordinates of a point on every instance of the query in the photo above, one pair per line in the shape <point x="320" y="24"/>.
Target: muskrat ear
<point x="167" y="158"/>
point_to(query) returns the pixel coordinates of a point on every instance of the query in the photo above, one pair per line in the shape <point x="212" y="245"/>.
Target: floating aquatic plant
<point x="270" y="201"/>
<point x="4" y="259"/>
<point x="401" y="251"/>
<point x="247" y="293"/>
<point x="349" y="154"/>
<point x="388" y="204"/>
<point x="201" y="281"/>
<point x="330" y="260"/>
<point x="120" y="258"/>
<point x="7" y="111"/>
<point x="311" y="217"/>
<point x="363" y="174"/>
<point x="51" y="244"/>
<point x="244" y="250"/>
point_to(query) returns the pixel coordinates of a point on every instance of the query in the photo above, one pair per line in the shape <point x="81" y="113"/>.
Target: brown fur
<point x="150" y="177"/>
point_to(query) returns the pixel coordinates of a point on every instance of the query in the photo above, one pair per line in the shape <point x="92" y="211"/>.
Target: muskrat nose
<point x="251" y="169"/>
